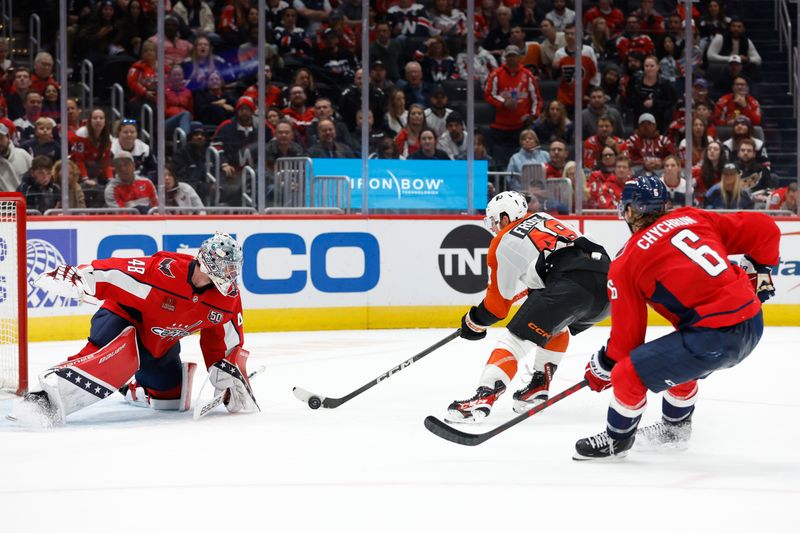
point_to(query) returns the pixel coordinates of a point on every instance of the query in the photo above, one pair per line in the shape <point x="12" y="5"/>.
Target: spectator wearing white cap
<point x="14" y="162"/>
<point x="647" y="148"/>
<point x="127" y="189"/>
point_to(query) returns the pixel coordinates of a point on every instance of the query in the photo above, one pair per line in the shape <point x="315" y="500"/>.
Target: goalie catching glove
<point x="760" y="276"/>
<point x="229" y="377"/>
<point x="69" y="281"/>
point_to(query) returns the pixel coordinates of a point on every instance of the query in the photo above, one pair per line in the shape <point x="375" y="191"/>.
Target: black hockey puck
<point x="314" y="402"/>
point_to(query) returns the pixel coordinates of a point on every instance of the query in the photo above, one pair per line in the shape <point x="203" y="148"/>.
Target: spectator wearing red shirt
<point x="407" y="141"/>
<point x="615" y="19"/>
<point x="298" y="113"/>
<point x="737" y="103"/>
<point x="601" y="191"/>
<point x="650" y="20"/>
<point x="512" y="90"/>
<point x="648" y="148"/>
<point x="175" y="48"/>
<point x="143" y="79"/>
<point x="784" y="198"/>
<point x="593" y="146"/>
<point x="178" y="101"/>
<point x="558" y="160"/>
<point x="42" y="73"/>
<point x="633" y="40"/>
<point x="127" y="189"/>
<point x="273" y="96"/>
<point x="91" y="151"/>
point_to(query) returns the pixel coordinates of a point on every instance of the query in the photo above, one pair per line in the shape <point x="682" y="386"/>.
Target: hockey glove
<point x="229" y="377"/>
<point x="760" y="277"/>
<point x="470" y="329"/>
<point x="598" y="371"/>
<point x="69" y="281"/>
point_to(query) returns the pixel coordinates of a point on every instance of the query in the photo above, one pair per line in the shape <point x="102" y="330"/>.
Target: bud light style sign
<point x="401" y="184"/>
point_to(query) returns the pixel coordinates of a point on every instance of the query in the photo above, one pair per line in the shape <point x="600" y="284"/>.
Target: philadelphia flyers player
<point x="565" y="274"/>
<point x="677" y="263"/>
<point x="149" y="304"/>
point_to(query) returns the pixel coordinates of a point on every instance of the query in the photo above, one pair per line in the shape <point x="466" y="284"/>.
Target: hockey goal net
<point x="13" y="295"/>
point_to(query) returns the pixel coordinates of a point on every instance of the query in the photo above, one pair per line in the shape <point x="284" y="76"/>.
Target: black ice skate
<point x="477" y="407"/>
<point x="535" y="392"/>
<point x="664" y="434"/>
<point x="601" y="446"/>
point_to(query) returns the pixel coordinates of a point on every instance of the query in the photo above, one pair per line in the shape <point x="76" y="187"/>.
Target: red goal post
<point x="13" y="294"/>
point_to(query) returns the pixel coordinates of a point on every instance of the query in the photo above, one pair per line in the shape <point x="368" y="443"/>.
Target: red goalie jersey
<point x="680" y="267"/>
<point x="154" y="293"/>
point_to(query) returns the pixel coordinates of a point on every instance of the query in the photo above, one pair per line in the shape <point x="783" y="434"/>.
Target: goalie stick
<point x="315" y="401"/>
<point x="202" y="410"/>
<point x="447" y="432"/>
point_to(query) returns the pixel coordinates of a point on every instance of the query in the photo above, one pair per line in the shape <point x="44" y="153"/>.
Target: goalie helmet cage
<point x="13" y="294"/>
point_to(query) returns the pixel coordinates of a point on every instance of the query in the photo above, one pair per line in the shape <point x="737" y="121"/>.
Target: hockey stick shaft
<point x="447" y="432"/>
<point x="332" y="403"/>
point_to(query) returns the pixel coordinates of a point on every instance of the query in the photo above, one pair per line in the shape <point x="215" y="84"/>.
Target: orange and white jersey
<point x="519" y="254"/>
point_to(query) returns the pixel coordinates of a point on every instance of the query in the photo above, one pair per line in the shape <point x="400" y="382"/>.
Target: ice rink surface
<point x="371" y="466"/>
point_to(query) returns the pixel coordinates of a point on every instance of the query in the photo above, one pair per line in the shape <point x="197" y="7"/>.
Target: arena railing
<point x="206" y="210"/>
<point x="495" y="177"/>
<point x="34" y="37"/>
<point x="783" y="25"/>
<point x="291" y="174"/>
<point x="178" y="139"/>
<point x="117" y="102"/>
<point x="94" y="211"/>
<point x="6" y="17"/>
<point x="213" y="169"/>
<point x="86" y="85"/>
<point x="146" y="124"/>
<point x="248" y="175"/>
<point x="331" y="191"/>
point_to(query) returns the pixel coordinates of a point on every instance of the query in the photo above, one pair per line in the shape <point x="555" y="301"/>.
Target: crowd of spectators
<point x="633" y="68"/>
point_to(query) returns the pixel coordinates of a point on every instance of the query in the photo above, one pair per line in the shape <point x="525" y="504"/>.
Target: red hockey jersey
<point x="522" y="88"/>
<point x="680" y="267"/>
<point x="155" y="295"/>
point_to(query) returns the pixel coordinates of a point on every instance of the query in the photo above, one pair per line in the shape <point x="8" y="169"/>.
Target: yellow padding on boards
<point x="255" y="320"/>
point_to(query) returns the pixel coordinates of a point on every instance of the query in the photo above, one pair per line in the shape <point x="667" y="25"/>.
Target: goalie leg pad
<point x="176" y="399"/>
<point x="83" y="381"/>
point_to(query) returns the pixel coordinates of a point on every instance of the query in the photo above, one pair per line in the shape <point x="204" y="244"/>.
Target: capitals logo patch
<point x="164" y="267"/>
<point x="168" y="304"/>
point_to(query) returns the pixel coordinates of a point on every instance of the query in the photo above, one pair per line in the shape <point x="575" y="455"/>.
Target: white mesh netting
<point x="9" y="297"/>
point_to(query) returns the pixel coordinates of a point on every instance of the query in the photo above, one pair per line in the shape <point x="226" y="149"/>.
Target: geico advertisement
<point x="294" y="263"/>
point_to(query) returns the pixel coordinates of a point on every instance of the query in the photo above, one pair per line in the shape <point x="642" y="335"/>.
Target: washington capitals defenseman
<point x="149" y="304"/>
<point x="676" y="262"/>
<point x="564" y="273"/>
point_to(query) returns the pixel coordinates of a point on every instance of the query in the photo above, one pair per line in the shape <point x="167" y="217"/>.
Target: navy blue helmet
<point x="647" y="195"/>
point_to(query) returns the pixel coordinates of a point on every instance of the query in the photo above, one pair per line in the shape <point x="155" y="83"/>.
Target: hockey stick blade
<point x="332" y="403"/>
<point x="203" y="409"/>
<point x="447" y="432"/>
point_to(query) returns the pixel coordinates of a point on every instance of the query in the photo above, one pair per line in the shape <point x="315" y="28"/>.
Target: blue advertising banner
<point x="401" y="184"/>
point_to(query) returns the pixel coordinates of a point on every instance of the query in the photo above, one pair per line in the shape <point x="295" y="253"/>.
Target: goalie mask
<point x="511" y="203"/>
<point x="220" y="258"/>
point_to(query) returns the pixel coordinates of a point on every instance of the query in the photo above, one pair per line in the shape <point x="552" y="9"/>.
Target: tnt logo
<point x="46" y="249"/>
<point x="462" y="258"/>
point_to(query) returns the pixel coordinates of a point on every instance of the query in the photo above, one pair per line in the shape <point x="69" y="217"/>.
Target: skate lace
<point x="598" y="441"/>
<point x="482" y="392"/>
<point x="527" y="373"/>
